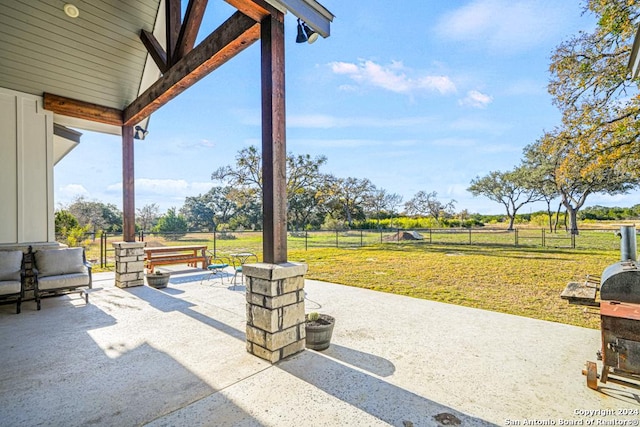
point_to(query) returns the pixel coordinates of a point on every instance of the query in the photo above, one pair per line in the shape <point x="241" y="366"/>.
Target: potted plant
<point x="319" y="328"/>
<point x="158" y="279"/>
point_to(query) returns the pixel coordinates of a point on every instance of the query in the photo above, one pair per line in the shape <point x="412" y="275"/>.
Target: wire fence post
<point x="544" y="232"/>
<point x="306" y="240"/>
<point x="361" y="241"/>
<point x="573" y="241"/>
<point x="337" y="246"/>
<point x="469" y="236"/>
<point x="516" y="236"/>
<point x="103" y="251"/>
<point x="214" y="243"/>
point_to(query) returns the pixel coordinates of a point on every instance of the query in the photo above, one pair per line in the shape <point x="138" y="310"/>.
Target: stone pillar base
<point x="129" y="264"/>
<point x="275" y="309"/>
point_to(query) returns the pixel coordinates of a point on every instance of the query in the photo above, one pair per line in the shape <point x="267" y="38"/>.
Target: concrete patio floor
<point x="176" y="357"/>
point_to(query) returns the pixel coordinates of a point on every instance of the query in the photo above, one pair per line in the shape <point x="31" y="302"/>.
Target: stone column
<point x="129" y="264"/>
<point x="275" y="309"/>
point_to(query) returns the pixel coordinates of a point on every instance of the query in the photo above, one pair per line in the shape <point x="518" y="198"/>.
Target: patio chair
<point x="61" y="271"/>
<point x="239" y="260"/>
<point x="216" y="264"/>
<point x="12" y="276"/>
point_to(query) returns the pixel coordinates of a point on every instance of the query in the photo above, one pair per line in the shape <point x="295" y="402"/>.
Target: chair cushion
<point x="55" y="262"/>
<point x="8" y="287"/>
<point x="10" y="265"/>
<point x="63" y="281"/>
<point x="217" y="266"/>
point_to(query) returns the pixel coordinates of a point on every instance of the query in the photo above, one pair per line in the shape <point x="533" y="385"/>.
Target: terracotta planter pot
<point x="158" y="280"/>
<point x="319" y="332"/>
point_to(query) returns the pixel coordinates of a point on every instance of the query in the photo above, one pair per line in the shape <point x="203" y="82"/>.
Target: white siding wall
<point x="26" y="169"/>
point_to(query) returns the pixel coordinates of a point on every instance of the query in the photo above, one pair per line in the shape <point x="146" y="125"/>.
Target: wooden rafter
<point x="82" y="110"/>
<point x="189" y="29"/>
<point x="154" y="48"/>
<point x="233" y="36"/>
<point x="174" y="18"/>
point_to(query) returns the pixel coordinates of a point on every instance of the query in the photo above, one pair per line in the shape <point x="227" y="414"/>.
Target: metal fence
<point x="100" y="250"/>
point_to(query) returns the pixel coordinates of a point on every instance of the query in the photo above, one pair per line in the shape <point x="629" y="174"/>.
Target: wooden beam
<point x="154" y="48"/>
<point x="82" y="110"/>
<point x="190" y="27"/>
<point x="255" y="9"/>
<point x="174" y="18"/>
<point x="232" y="37"/>
<point x="128" y="186"/>
<point x="274" y="151"/>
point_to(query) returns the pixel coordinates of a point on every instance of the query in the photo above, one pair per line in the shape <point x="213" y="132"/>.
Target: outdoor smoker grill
<point x="619" y="305"/>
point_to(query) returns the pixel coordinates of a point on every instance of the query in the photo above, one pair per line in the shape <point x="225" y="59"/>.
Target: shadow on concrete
<point x="73" y="364"/>
<point x="624" y="395"/>
<point x="383" y="400"/>
<point x="162" y="300"/>
<point x="366" y="361"/>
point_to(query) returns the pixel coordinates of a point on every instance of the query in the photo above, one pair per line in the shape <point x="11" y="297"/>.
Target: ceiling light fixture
<point x="71" y="10"/>
<point x="305" y="34"/>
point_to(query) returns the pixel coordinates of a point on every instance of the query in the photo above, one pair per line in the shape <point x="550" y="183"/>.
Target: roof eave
<point x="310" y="11"/>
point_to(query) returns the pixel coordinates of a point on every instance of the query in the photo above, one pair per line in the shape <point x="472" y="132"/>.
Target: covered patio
<point x="175" y="356"/>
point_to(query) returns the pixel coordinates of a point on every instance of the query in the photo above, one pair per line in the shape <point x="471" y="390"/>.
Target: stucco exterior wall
<point x="26" y="170"/>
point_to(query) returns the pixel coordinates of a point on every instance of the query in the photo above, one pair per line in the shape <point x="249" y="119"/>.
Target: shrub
<point x="171" y="225"/>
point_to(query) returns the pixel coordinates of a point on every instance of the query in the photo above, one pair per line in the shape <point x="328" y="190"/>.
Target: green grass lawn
<point x="491" y="274"/>
<point x="521" y="281"/>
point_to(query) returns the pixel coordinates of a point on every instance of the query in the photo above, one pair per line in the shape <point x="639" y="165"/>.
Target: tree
<point x="173" y="226"/>
<point x="207" y="211"/>
<point x="347" y="197"/>
<point x="593" y="89"/>
<point x="96" y="215"/>
<point x="68" y="229"/>
<point x="64" y="221"/>
<point x="427" y="204"/>
<point x="380" y="201"/>
<point x="303" y="180"/>
<point x="512" y="189"/>
<point x="576" y="175"/>
<point x="540" y="178"/>
<point x="148" y="216"/>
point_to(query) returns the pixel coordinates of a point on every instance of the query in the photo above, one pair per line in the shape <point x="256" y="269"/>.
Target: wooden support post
<point x="128" y="188"/>
<point x="274" y="184"/>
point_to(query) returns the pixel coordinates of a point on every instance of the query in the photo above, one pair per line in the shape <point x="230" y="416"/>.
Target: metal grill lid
<point x="621" y="282"/>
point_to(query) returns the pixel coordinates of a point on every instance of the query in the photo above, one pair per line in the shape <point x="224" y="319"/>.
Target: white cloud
<point x="503" y="25"/>
<point x="72" y="190"/>
<point x="476" y="99"/>
<point x="393" y="77"/>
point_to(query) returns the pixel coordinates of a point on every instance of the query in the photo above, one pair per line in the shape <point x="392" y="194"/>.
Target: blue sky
<point x="414" y="95"/>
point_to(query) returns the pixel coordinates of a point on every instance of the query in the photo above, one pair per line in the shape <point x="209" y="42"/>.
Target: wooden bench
<point x="167" y="255"/>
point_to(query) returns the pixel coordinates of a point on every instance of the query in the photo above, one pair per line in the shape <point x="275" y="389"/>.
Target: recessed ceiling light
<point x="71" y="10"/>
